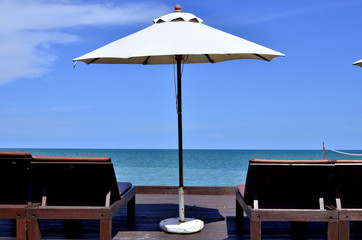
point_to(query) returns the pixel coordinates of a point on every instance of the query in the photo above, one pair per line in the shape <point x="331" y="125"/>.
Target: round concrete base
<point x="173" y="225"/>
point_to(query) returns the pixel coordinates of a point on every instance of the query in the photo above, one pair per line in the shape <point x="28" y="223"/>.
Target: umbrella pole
<point x="180" y="147"/>
<point x="181" y="224"/>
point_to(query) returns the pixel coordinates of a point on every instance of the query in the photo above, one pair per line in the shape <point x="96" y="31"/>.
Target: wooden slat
<point x="108" y="199"/>
<point x="343" y="230"/>
<point x="12" y="211"/>
<point x="189" y="190"/>
<point x="332" y="230"/>
<point x="295" y="215"/>
<point x="21" y="229"/>
<point x="66" y="212"/>
<point x="255" y="230"/>
<point x="350" y="215"/>
<point x="105" y="229"/>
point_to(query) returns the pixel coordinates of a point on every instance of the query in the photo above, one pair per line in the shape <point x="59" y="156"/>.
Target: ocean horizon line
<point x="198" y="149"/>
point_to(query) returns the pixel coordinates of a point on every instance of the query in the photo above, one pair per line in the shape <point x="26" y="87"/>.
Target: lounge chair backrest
<point x="70" y="159"/>
<point x="14" y="178"/>
<point x="74" y="181"/>
<point x="348" y="182"/>
<point x="282" y="183"/>
<point x="15" y="155"/>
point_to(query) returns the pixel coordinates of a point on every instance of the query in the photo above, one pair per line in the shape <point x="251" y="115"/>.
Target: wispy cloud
<point x="29" y="28"/>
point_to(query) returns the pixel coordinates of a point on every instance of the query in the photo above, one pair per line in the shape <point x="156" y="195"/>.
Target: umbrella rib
<point x="95" y="59"/>
<point x="261" y="57"/>
<point x="209" y="58"/>
<point x="146" y="61"/>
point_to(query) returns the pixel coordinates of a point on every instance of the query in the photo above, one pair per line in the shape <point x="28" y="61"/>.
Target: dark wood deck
<point x="215" y="206"/>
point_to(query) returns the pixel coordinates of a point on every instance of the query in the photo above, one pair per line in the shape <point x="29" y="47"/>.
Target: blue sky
<point x="294" y="102"/>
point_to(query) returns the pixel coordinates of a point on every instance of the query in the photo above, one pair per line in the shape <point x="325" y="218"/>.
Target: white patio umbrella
<point x="178" y="38"/>
<point x="358" y="63"/>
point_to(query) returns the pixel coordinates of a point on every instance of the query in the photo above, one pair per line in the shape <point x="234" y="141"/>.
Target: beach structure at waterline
<point x="178" y="38"/>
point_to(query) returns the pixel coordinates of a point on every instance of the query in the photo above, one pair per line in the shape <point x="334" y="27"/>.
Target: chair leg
<point x="21" y="228"/>
<point x="33" y="229"/>
<point x="255" y="230"/>
<point x="131" y="209"/>
<point x="105" y="229"/>
<point x="333" y="230"/>
<point x="239" y="213"/>
<point x="343" y="230"/>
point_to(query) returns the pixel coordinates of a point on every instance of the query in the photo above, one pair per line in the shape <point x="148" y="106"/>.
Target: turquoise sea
<point x="201" y="167"/>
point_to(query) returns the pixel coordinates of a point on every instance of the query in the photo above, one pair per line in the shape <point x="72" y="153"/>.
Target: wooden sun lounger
<point x="348" y="197"/>
<point x="15" y="188"/>
<point x="286" y="190"/>
<point x="77" y="188"/>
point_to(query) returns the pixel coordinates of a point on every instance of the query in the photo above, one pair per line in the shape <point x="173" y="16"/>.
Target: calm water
<point x="201" y="167"/>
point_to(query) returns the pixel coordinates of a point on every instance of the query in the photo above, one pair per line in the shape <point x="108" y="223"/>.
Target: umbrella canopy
<point x="358" y="63"/>
<point x="178" y="38"/>
<point x="178" y="34"/>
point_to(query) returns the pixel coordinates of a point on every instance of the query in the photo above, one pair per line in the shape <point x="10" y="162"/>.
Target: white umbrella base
<point x="173" y="225"/>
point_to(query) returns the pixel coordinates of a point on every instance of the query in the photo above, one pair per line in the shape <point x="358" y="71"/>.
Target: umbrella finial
<point x="177" y="8"/>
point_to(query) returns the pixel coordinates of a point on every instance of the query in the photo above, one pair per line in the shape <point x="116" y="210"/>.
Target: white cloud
<point x="29" y="28"/>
